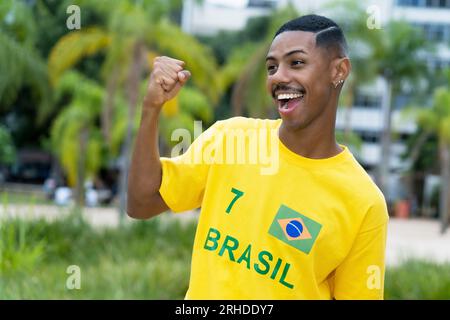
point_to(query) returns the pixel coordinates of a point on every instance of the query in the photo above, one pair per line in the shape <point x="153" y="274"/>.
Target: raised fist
<point x="166" y="80"/>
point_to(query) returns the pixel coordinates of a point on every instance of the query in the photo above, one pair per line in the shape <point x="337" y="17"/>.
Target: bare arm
<point x="145" y="175"/>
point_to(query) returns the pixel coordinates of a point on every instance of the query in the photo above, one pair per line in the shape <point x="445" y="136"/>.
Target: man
<point x="314" y="227"/>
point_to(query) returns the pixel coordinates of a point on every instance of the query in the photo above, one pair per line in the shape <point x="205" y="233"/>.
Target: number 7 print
<point x="238" y="194"/>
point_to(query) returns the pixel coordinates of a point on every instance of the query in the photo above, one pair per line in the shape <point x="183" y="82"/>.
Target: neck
<point x="310" y="142"/>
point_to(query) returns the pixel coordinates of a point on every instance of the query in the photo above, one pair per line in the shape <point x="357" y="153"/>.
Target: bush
<point x="17" y="253"/>
<point x="141" y="260"/>
<point x="417" y="279"/>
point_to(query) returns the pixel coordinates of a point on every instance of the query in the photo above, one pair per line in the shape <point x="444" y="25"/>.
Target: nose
<point x="280" y="76"/>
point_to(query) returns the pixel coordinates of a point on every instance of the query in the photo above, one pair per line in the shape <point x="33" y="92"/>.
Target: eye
<point x="297" y="63"/>
<point x="271" y="68"/>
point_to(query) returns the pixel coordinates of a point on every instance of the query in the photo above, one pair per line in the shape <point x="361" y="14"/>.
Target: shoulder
<point x="363" y="196"/>
<point x="372" y="199"/>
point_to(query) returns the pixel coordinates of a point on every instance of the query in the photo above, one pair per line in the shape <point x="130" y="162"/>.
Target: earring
<point x="338" y="83"/>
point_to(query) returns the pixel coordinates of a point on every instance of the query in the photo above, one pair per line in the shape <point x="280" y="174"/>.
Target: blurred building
<point x="433" y="16"/>
<point x="215" y="15"/>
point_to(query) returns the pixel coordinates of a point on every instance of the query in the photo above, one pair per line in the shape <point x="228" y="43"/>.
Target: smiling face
<point x="300" y="78"/>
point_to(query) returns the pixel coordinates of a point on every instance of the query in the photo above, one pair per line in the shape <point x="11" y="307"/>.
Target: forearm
<point x="145" y="173"/>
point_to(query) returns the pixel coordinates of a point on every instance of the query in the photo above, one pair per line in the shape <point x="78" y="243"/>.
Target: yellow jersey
<point x="274" y="224"/>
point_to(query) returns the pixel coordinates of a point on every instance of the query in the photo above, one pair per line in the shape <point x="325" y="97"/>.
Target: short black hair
<point x="328" y="34"/>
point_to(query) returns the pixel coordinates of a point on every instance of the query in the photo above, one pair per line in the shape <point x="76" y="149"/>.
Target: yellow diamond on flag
<point x="294" y="229"/>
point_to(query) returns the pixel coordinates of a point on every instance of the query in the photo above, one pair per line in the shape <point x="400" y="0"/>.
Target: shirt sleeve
<point x="184" y="177"/>
<point x="361" y="274"/>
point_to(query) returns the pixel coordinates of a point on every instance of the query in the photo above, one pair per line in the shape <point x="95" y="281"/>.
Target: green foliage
<point x="17" y="197"/>
<point x="194" y="106"/>
<point x="195" y="103"/>
<point x="20" y="62"/>
<point x="353" y="140"/>
<point x="199" y="59"/>
<point x="236" y="61"/>
<point x="417" y="279"/>
<point x="397" y="53"/>
<point x="130" y="34"/>
<point x="141" y="260"/>
<point x="21" y="65"/>
<point x="74" y="46"/>
<point x="441" y="108"/>
<point x="434" y="119"/>
<point x="16" y="18"/>
<point x="427" y="152"/>
<point x="17" y="252"/>
<point x="77" y="118"/>
<point x="7" y="149"/>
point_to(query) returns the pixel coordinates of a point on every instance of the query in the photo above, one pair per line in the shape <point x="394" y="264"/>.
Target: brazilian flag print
<point x="295" y="229"/>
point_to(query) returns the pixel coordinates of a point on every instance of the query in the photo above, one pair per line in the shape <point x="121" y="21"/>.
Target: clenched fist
<point x="166" y="80"/>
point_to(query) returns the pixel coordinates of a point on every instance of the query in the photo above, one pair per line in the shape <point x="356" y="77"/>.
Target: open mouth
<point x="288" y="102"/>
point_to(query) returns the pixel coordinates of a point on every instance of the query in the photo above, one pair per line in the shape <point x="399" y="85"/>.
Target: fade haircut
<point x="328" y="34"/>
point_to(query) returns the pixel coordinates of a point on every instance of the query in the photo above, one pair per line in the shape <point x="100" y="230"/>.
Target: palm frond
<point x="74" y="46"/>
<point x="21" y="65"/>
<point x="79" y="115"/>
<point x="169" y="38"/>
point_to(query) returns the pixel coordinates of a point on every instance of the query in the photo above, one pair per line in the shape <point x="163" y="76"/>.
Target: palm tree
<point x="352" y="18"/>
<point x="75" y="139"/>
<point x="436" y="120"/>
<point x="398" y="61"/>
<point x="134" y="32"/>
<point x="20" y="63"/>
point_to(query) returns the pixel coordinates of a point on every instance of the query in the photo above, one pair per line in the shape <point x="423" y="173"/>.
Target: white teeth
<point x="284" y="96"/>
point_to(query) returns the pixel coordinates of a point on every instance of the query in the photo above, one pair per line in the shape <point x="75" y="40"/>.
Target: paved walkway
<point x="416" y="238"/>
<point x="406" y="238"/>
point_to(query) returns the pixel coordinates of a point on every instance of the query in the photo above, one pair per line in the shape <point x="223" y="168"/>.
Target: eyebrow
<point x="288" y="54"/>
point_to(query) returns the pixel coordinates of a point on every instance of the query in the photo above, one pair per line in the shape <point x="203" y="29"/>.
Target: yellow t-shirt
<point x="274" y="224"/>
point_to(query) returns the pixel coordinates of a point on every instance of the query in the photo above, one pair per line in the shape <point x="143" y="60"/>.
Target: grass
<point x="9" y="197"/>
<point x="141" y="260"/>
<point x="418" y="279"/>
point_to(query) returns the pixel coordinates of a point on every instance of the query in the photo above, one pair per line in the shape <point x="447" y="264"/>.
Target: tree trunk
<point x="132" y="91"/>
<point x="81" y="168"/>
<point x="384" y="166"/>
<point x="444" y="196"/>
<point x="410" y="177"/>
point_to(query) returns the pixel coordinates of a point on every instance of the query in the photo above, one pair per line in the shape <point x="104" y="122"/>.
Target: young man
<point x="310" y="224"/>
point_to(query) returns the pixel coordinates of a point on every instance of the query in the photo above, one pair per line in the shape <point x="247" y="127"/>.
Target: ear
<point x="341" y="68"/>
